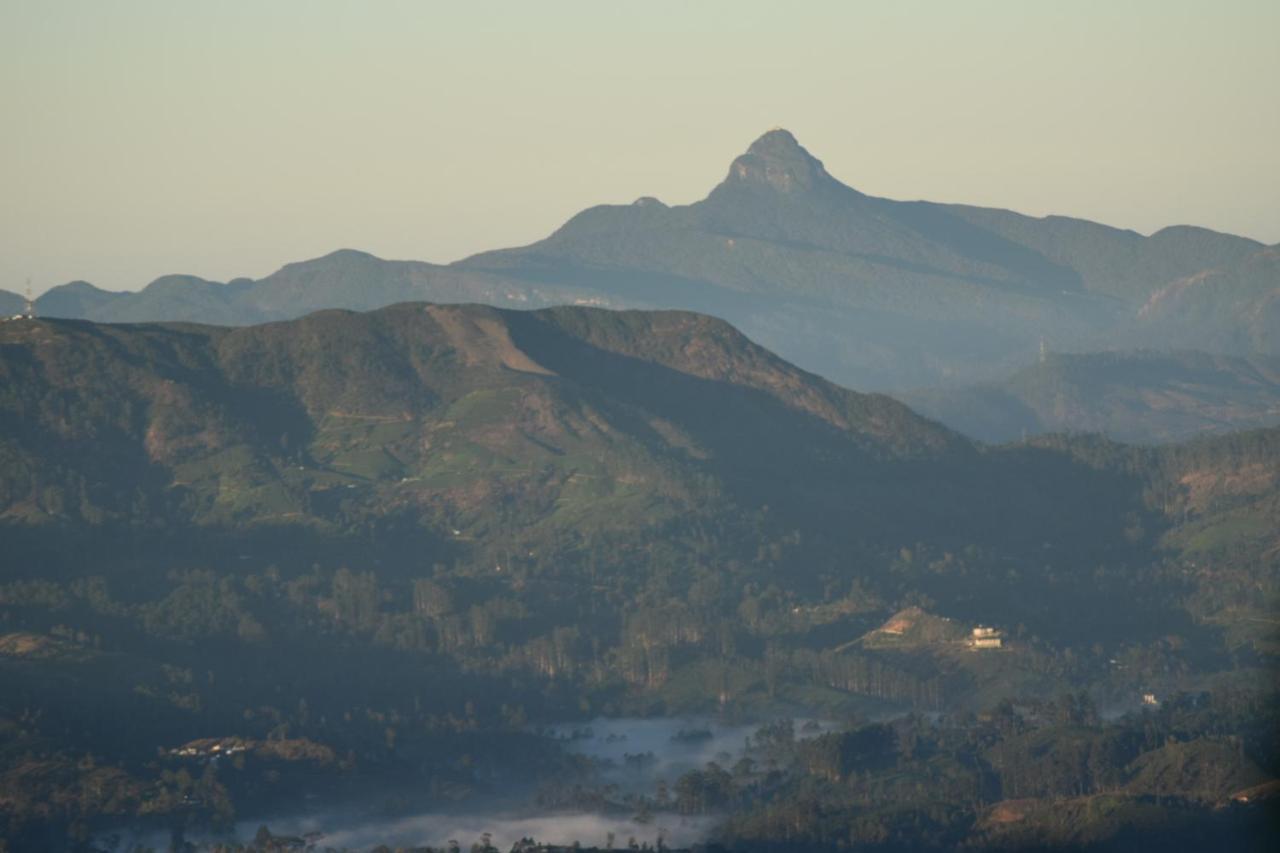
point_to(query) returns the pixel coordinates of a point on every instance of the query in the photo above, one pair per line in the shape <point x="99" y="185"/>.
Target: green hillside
<point x="388" y="547"/>
<point x="416" y="409"/>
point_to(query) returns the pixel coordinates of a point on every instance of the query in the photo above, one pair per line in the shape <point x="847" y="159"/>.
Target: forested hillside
<point x="384" y="549"/>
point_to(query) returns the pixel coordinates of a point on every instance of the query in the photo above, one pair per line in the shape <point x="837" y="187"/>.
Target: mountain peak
<point x="777" y="141"/>
<point x="779" y="161"/>
<point x="79" y="286"/>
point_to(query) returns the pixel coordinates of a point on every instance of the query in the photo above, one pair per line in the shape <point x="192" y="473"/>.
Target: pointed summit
<point x="777" y="141"/>
<point x="777" y="160"/>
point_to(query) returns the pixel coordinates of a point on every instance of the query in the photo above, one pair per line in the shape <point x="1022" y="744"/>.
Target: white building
<point x="984" y="637"/>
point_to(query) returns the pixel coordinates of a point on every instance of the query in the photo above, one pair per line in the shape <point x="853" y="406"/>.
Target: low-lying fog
<point x="634" y="754"/>
<point x="662" y="748"/>
<point x="437" y="830"/>
<point x="669" y="747"/>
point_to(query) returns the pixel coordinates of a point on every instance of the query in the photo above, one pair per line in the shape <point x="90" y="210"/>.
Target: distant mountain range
<point x="870" y="292"/>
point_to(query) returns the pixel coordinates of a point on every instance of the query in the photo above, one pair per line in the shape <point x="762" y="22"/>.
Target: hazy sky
<point x="227" y="138"/>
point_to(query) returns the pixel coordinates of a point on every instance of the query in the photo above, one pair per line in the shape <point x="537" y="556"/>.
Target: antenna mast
<point x="29" y="309"/>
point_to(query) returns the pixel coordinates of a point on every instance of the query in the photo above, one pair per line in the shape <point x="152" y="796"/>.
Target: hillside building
<point x="984" y="637"/>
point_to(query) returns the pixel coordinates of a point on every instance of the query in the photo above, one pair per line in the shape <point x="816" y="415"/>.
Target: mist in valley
<point x="627" y="760"/>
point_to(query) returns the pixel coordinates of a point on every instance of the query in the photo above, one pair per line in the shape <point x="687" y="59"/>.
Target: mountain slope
<point x="10" y="303"/>
<point x="413" y="421"/>
<point x="1113" y="261"/>
<point x="1233" y="308"/>
<point x="418" y="408"/>
<point x="1141" y="396"/>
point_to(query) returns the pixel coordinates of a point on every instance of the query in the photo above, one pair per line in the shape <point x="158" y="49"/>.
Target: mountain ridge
<point x="871" y="292"/>
<point x="216" y="422"/>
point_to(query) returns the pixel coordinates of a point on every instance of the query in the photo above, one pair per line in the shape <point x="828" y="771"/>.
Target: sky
<point x="227" y="139"/>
